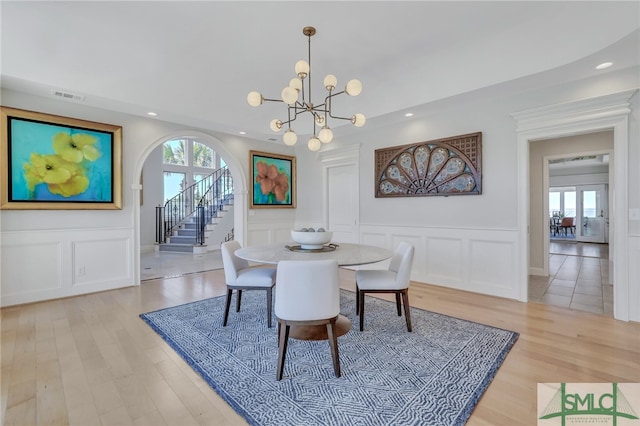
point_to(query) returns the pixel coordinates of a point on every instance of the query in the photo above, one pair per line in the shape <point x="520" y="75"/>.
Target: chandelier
<point x="298" y="100"/>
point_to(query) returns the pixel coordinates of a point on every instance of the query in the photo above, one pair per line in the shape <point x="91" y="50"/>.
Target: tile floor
<point x="165" y="265"/>
<point x="578" y="278"/>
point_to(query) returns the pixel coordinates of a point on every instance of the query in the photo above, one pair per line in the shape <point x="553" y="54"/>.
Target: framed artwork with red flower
<point x="273" y="179"/>
<point x="59" y="163"/>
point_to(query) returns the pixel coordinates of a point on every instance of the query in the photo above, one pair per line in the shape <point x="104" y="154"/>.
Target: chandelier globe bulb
<point x="358" y="120"/>
<point x="275" y="125"/>
<point x="314" y="144"/>
<point x="353" y="87"/>
<point x="289" y="95"/>
<point x="254" y="99"/>
<point x="325" y="135"/>
<point x="296" y="83"/>
<point x="330" y="82"/>
<point x="302" y="69"/>
<point x="290" y="138"/>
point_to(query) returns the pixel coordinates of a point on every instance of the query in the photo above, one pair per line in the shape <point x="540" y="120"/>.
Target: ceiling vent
<point x="67" y="95"/>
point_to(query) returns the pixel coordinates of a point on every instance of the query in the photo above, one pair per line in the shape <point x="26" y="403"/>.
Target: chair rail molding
<point x="573" y="118"/>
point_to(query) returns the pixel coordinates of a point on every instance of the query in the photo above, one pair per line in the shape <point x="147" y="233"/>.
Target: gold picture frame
<point x="273" y="178"/>
<point x="51" y="162"/>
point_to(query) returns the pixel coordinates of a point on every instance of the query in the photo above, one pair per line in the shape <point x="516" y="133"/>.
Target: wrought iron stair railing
<point x="202" y="200"/>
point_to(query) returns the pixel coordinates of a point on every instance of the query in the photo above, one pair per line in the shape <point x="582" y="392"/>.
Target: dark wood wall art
<point x="449" y="166"/>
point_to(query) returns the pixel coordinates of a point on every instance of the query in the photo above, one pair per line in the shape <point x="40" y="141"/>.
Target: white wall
<point x="152" y="195"/>
<point x="468" y="242"/>
<point x="462" y="241"/>
<point x="472" y="242"/>
<point x="57" y="253"/>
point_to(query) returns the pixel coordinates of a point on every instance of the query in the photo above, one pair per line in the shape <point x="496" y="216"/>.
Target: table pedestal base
<point x="319" y="332"/>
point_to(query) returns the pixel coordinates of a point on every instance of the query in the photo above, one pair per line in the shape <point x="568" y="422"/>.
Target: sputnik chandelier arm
<point x="298" y="101"/>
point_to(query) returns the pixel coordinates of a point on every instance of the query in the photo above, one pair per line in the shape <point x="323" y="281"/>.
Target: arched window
<point x="186" y="161"/>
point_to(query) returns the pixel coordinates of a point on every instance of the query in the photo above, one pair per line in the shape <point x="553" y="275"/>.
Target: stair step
<point x="182" y="240"/>
<point x="191" y="226"/>
<point x="187" y="232"/>
<point x="182" y="248"/>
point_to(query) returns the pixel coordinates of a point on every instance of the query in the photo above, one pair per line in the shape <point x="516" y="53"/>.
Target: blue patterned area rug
<point x="434" y="375"/>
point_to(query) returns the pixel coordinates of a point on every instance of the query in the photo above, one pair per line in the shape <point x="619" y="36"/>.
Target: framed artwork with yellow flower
<point x="59" y="163"/>
<point x="273" y="179"/>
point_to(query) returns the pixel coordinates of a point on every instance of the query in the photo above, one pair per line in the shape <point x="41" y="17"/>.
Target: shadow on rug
<point x="434" y="375"/>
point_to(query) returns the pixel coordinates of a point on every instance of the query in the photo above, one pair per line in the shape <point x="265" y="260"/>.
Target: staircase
<point x="199" y="218"/>
<point x="184" y="238"/>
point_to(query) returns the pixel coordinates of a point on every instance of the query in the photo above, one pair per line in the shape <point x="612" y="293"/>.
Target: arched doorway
<point x="239" y="187"/>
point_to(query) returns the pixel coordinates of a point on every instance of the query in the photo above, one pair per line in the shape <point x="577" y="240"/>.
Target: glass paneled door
<point x="592" y="214"/>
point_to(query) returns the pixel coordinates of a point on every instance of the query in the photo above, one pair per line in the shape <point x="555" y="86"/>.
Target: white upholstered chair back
<point x="401" y="264"/>
<point x="307" y="294"/>
<point x="307" y="290"/>
<point x="232" y="264"/>
<point x="396" y="279"/>
<point x="239" y="277"/>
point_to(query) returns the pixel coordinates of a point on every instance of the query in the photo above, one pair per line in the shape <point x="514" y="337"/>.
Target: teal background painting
<point x="27" y="137"/>
<point x="277" y="195"/>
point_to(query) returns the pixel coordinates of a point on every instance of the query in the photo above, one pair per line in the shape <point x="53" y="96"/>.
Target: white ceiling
<point x="195" y="62"/>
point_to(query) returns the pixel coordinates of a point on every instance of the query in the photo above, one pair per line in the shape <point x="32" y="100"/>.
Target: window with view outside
<point x="185" y="162"/>
<point x="202" y="155"/>
<point x="198" y="177"/>
<point x="569" y="204"/>
<point x="174" y="152"/>
<point x="562" y="201"/>
<point x="173" y="184"/>
<point x="589" y="204"/>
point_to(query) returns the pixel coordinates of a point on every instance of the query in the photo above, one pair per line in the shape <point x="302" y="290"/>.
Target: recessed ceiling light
<point x="243" y="133"/>
<point x="604" y="65"/>
<point x="152" y="114"/>
<point x="409" y="114"/>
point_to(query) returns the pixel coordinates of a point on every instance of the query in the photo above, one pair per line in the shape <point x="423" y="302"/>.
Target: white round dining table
<point x="347" y="254"/>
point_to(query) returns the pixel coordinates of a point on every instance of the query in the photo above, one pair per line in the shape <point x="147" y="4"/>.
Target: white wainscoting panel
<point x="40" y="267"/>
<point x="268" y="233"/>
<point x="443" y="263"/>
<point x="477" y="260"/>
<point x="51" y="264"/>
<point x="97" y="261"/>
<point x="492" y="264"/>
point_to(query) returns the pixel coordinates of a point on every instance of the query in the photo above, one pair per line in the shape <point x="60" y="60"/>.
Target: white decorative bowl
<point x="311" y="240"/>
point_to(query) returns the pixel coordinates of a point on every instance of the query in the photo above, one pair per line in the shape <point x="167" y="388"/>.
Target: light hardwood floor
<point x="90" y="360"/>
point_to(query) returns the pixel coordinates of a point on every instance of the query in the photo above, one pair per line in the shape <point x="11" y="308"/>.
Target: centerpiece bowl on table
<point x="310" y="239"/>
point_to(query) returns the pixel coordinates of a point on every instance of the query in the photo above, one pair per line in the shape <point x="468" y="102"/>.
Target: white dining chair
<point x="395" y="279"/>
<point x="239" y="276"/>
<point x="308" y="293"/>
